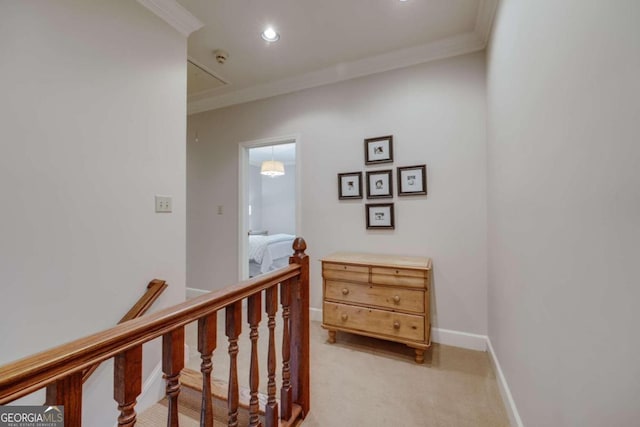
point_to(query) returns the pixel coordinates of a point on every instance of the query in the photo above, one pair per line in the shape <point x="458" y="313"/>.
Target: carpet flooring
<point x="361" y="381"/>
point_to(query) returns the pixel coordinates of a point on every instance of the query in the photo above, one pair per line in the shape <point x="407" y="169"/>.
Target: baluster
<point x="172" y="364"/>
<point x="207" y="336"/>
<point x="285" y="392"/>
<point x="254" y="317"/>
<point x="127" y="383"/>
<point x="233" y="330"/>
<point x="67" y="391"/>
<point x="271" y="308"/>
<point x="300" y="328"/>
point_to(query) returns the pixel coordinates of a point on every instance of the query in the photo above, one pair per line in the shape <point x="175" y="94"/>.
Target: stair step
<point x="219" y="389"/>
<point x="157" y="416"/>
<point x="190" y="403"/>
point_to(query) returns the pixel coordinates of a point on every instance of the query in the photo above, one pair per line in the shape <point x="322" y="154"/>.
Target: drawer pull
<point x="397" y="271"/>
<point x="345" y="316"/>
<point x="396" y="325"/>
<point x="396" y="299"/>
<point x="345" y="291"/>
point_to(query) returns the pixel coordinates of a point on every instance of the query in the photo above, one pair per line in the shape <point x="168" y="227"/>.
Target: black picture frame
<point x="350" y="185"/>
<point x="378" y="150"/>
<point x="380" y="184"/>
<point x="412" y="180"/>
<point x="380" y="216"/>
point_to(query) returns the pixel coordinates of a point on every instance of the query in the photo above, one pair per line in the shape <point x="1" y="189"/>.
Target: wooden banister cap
<point x="299" y="246"/>
<point x="155" y="282"/>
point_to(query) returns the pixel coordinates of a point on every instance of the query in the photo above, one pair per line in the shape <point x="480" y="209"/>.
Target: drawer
<point x="398" y="277"/>
<point x="346" y="267"/>
<point x="395" y="299"/>
<point x="383" y="322"/>
<point x="355" y="273"/>
<point x="398" y="272"/>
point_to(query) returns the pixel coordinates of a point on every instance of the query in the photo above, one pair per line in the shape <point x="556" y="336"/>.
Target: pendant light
<point x="271" y="167"/>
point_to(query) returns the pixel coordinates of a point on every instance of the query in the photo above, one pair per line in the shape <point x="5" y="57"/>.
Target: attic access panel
<point x="200" y="79"/>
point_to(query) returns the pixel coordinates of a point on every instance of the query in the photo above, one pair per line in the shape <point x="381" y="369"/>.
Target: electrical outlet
<point x="219" y="209"/>
<point x="163" y="204"/>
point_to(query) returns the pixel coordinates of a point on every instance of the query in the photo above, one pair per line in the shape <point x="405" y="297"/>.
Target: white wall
<point x="436" y="113"/>
<point x="564" y="209"/>
<point x="93" y="123"/>
<point x="255" y="198"/>
<point x="272" y="200"/>
<point x="279" y="202"/>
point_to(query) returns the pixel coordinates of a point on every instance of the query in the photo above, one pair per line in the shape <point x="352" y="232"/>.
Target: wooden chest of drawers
<point x="382" y="296"/>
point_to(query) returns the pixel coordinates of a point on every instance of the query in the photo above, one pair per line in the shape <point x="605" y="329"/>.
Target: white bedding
<point x="269" y="251"/>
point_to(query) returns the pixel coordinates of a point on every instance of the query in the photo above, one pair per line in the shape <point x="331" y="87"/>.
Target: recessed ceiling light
<point x="270" y="35"/>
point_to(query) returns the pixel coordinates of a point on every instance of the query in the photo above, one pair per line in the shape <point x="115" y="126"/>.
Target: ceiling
<point x="323" y="41"/>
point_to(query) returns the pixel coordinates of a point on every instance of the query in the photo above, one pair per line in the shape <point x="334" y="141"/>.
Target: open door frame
<point x="243" y="194"/>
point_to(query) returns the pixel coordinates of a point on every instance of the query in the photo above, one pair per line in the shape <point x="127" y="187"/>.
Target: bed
<point x="268" y="253"/>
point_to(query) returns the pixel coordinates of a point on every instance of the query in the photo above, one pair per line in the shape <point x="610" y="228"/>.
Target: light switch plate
<point x="164" y="204"/>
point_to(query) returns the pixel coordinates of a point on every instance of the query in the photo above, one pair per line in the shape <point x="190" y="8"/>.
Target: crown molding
<point x="174" y="14"/>
<point x="453" y="46"/>
<point x="484" y="19"/>
<point x="457" y="45"/>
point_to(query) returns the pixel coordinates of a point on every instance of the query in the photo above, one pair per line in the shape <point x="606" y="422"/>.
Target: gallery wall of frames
<point x="378" y="183"/>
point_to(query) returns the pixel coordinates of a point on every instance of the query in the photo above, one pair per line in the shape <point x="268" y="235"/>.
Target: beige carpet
<point x="362" y="381"/>
<point x="189" y="402"/>
<point x="156" y="416"/>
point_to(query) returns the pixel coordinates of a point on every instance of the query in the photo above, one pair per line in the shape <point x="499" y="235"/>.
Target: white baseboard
<point x="459" y="339"/>
<point x="315" y="314"/>
<point x="505" y="392"/>
<point x="194" y="293"/>
<point x="153" y="390"/>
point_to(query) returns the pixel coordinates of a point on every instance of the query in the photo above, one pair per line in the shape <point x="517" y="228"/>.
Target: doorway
<point x="269" y="204"/>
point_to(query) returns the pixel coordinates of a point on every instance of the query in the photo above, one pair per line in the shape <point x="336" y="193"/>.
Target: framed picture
<point x="350" y="185"/>
<point x="379" y="184"/>
<point x="378" y="150"/>
<point x="412" y="180"/>
<point x="380" y="216"/>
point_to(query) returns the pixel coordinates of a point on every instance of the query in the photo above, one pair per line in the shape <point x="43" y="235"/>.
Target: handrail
<point x="154" y="289"/>
<point x="24" y="376"/>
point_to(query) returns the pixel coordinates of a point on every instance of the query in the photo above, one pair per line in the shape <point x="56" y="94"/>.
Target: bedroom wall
<point x="272" y="201"/>
<point x="564" y="209"/>
<point x="435" y="111"/>
<point x="279" y="202"/>
<point x="93" y="118"/>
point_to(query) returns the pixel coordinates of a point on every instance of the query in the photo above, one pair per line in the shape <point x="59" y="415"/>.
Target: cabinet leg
<point x="332" y="337"/>
<point x="419" y="355"/>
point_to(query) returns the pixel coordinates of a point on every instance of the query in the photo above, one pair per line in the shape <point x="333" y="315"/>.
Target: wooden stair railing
<point x="154" y="289"/>
<point x="60" y="369"/>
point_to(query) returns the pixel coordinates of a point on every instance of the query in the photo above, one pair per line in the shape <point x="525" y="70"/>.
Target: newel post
<point x="300" y="328"/>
